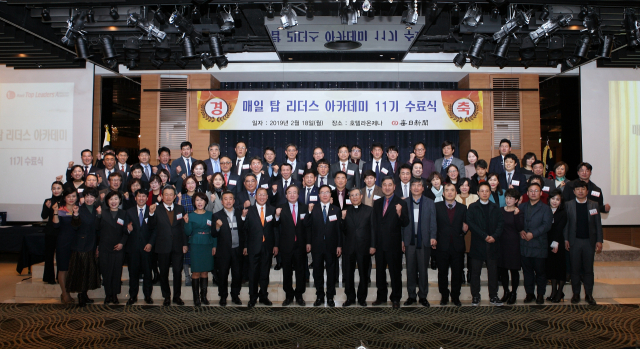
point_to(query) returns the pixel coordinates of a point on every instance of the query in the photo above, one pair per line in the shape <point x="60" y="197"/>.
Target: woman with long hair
<point x="556" y="267"/>
<point x="65" y="216"/>
<point x="497" y="193"/>
<point x="50" y="233"/>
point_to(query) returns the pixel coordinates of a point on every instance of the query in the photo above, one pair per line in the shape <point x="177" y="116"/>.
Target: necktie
<point x="394" y="167"/>
<point x="323" y="183"/>
<point x="369" y="195"/>
<point x="503" y="162"/>
<point x="377" y="168"/>
<point x="386" y="205"/>
<point x="188" y="167"/>
<point x="306" y="200"/>
<point x="405" y="193"/>
<point x="122" y="168"/>
<point x="252" y="194"/>
<point x="293" y="214"/>
<point x="286" y="184"/>
<point x="226" y="179"/>
<point x="509" y="180"/>
<point x="270" y="170"/>
<point x="147" y="171"/>
<point x="262" y="217"/>
<point x="141" y="216"/>
<point x="344" y="169"/>
<point x="238" y="166"/>
<point x="169" y="208"/>
<point x="450" y="206"/>
<point x="340" y="198"/>
<point x="216" y="167"/>
<point x="108" y="174"/>
<point x="86" y="171"/>
<point x="324" y="213"/>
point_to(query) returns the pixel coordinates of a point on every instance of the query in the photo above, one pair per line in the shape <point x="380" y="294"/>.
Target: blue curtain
<point x="330" y="140"/>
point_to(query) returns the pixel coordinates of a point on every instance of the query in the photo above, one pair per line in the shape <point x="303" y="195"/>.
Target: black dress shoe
<point x="540" y="299"/>
<point x="223" y="302"/>
<point x="444" y="301"/>
<point x="148" y="300"/>
<point x="529" y="298"/>
<point x="409" y="301"/>
<point x="132" y="301"/>
<point x="558" y="298"/>
<point x="456" y="302"/>
<point x="107" y="300"/>
<point x="114" y="299"/>
<point x="236" y="300"/>
<point x="251" y="304"/>
<point x="425" y="302"/>
<point x="331" y="303"/>
<point x="363" y="303"/>
<point x="287" y="302"/>
<point x="277" y="267"/>
<point x="265" y="301"/>
<point x="395" y="305"/>
<point x="167" y="302"/>
<point x="590" y="300"/>
<point x="178" y="301"/>
<point x="575" y="299"/>
<point x="318" y="302"/>
<point x="348" y="303"/>
<point x="512" y="298"/>
<point x="87" y="300"/>
<point x="506" y="296"/>
<point x="379" y="302"/>
<point x="81" y="302"/>
<point x="300" y="301"/>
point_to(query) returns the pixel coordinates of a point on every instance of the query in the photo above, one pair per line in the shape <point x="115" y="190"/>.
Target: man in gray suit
<point x="583" y="238"/>
<point x="418" y="238"/>
<point x="352" y="170"/>
<point x="533" y="243"/>
<point x="448" y="148"/>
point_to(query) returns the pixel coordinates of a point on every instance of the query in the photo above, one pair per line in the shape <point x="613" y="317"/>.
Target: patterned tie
<point x="141" y="216"/>
<point x="377" y="169"/>
<point x="344" y="169"/>
<point x="509" y="180"/>
<point x="188" y="167"/>
<point x="86" y="171"/>
<point x="386" y="205"/>
<point x="286" y="184"/>
<point x="147" y="171"/>
<point x="122" y="168"/>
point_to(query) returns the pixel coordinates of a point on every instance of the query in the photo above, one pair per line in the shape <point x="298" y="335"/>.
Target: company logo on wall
<point x="463" y="110"/>
<point x="216" y="109"/>
<point x="11" y="95"/>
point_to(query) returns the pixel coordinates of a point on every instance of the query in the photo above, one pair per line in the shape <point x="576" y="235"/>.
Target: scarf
<point x="437" y="193"/>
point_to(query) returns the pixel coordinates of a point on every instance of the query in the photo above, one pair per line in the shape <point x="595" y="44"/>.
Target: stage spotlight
<point x="495" y="13"/>
<point x="207" y="61"/>
<point x="606" y="47"/>
<point x="195" y="15"/>
<point x="349" y="15"/>
<point x="310" y="12"/>
<point x="188" y="50"/>
<point x="288" y="17"/>
<point x="476" y="54"/>
<point x="555" y="51"/>
<point x="545" y="13"/>
<point x="581" y="51"/>
<point x="460" y="60"/>
<point x="225" y="21"/>
<point x="114" y="13"/>
<point x="433" y="12"/>
<point x="455" y="14"/>
<point x="46" y="15"/>
<point x="527" y="51"/>
<point x="82" y="50"/>
<point x="473" y="16"/>
<point x="549" y="27"/>
<point x="106" y="44"/>
<point x="366" y="5"/>
<point x="237" y="17"/>
<point x="131" y="52"/>
<point x="186" y="27"/>
<point x="91" y="16"/>
<point x="270" y="12"/>
<point x="517" y="21"/>
<point x="215" y="45"/>
<point x="135" y="20"/>
<point x="584" y="11"/>
<point x="410" y="15"/>
<point x="591" y="21"/>
<point x="75" y="28"/>
<point x="161" y="53"/>
<point x="502" y="52"/>
<point x="631" y="28"/>
<point x="181" y="63"/>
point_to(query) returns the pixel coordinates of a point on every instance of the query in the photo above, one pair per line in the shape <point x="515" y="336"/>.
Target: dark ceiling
<point x="30" y="40"/>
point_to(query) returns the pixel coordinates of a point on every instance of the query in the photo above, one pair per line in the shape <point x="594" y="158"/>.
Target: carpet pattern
<point x="141" y="326"/>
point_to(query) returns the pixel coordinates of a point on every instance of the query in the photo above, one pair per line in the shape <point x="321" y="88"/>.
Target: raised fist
<point x="411" y="157"/>
<point x="274" y="187"/>
<point x="48" y="203"/>
<point x="99" y="209"/>
<point x="275" y="168"/>
<point x="344" y="214"/>
<point x="310" y="207"/>
<point x="152" y="208"/>
<point x="186" y="218"/>
<point x="126" y="195"/>
<point x="218" y="224"/>
<point x="71" y="164"/>
<point x="59" y="178"/>
<point x="278" y="211"/>
<point x="309" y="165"/>
<point x="247" y="204"/>
<point x="130" y="226"/>
<point x="99" y="178"/>
<point x="399" y="209"/>
<point x="55" y="208"/>
<point x="213" y="197"/>
<point x="178" y="169"/>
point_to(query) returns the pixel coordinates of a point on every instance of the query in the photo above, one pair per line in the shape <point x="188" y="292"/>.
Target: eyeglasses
<point x="356" y="150"/>
<point x="323" y="166"/>
<point x="225" y="163"/>
<point x="534" y="191"/>
<point x="243" y="148"/>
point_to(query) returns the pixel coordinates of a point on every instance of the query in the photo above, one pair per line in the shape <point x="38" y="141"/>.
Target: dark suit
<point x="211" y="167"/>
<point x="353" y="173"/>
<point x="481" y="226"/>
<point x="263" y="182"/>
<point x="86" y="237"/>
<point x="176" y="179"/>
<point x="170" y="238"/>
<point x="91" y="169"/>
<point x="399" y="190"/>
<point x="346" y="202"/>
<point x="265" y="168"/>
<point x="259" y="242"/>
<point x="359" y="237"/>
<point x="112" y="232"/>
<point x="163" y="167"/>
<point x="496" y="165"/>
<point x="329" y="181"/>
<point x="384" y="165"/>
<point x="242" y="196"/>
<point x="295" y="172"/>
<point x="227" y="257"/>
<point x="594" y="193"/>
<point x="234" y="183"/>
<point x="312" y="197"/>
<point x="105" y="181"/>
<point x="292" y="247"/>
<point x="388" y="228"/>
<point x="450" y="252"/>
<point x="418" y="254"/>
<point x="138" y="260"/>
<point x="518" y="177"/>
<point x="126" y="170"/>
<point x="280" y="197"/>
<point x="324" y="237"/>
<point x="245" y="166"/>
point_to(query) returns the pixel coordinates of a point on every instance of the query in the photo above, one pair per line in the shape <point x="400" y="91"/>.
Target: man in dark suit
<point x="247" y="196"/>
<point x="308" y="191"/>
<point x="359" y="244"/>
<point x="418" y="239"/>
<point x="594" y="193"/>
<point x="390" y="216"/>
<point x="262" y="180"/>
<point x="450" y="218"/>
<point x="279" y="185"/>
<point x="171" y="243"/>
<point x="261" y="244"/>
<point x="346" y="166"/>
<point x="269" y="166"/>
<point x="403" y="187"/>
<point x="164" y="157"/>
<point x="511" y="177"/>
<point x="292" y="246"/>
<point x="441" y="164"/>
<point x="496" y="165"/>
<point x="378" y="165"/>
<point x="548" y="184"/>
<point x="297" y="166"/>
<point x="583" y="238"/>
<point x="355" y="156"/>
<point x="213" y="162"/>
<point x="115" y="184"/>
<point x="87" y="165"/>
<point x="340" y="194"/>
<point x="419" y="152"/>
<point x="233" y="181"/>
<point x="144" y="156"/>
<point x="394" y="162"/>
<point x="104" y="173"/>
<point x="123" y="155"/>
<point x="181" y="167"/>
<point x="324" y="241"/>
<point x="138" y="248"/>
<point x="240" y="164"/>
<point x="230" y="246"/>
<point x="370" y="191"/>
<point x="324" y="176"/>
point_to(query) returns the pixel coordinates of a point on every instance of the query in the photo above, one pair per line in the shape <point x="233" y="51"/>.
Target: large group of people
<point x="234" y="214"/>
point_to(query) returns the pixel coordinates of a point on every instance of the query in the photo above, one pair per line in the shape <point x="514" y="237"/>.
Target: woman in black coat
<point x="112" y="227"/>
<point x="556" y="267"/>
<point x="50" y="233"/>
<point x="510" y="260"/>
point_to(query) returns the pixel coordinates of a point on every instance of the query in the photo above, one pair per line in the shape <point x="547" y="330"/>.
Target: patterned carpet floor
<point x="59" y="326"/>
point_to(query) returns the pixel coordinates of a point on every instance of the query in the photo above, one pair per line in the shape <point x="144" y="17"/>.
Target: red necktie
<point x="122" y="168"/>
<point x="226" y="180"/>
<point x="386" y="205"/>
<point x="293" y="214"/>
<point x="343" y="168"/>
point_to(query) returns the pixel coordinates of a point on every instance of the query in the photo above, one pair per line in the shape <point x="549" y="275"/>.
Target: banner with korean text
<point x="340" y="110"/>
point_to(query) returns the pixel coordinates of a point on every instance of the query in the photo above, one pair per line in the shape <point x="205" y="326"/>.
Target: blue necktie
<point x="324" y="213"/>
<point x="141" y="217"/>
<point x="270" y="170"/>
<point x="217" y="166"/>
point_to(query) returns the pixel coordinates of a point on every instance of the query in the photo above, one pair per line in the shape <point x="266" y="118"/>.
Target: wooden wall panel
<point x="480" y="140"/>
<point x="530" y="116"/>
<point x="623" y="234"/>
<point x="150" y="116"/>
<point x="97" y="115"/>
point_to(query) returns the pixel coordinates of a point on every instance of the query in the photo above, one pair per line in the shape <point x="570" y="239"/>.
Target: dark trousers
<point x="533" y="270"/>
<point x="226" y="262"/>
<point x="139" y="262"/>
<point x="294" y="261"/>
<point x="173" y="260"/>
<point x="259" y="267"/>
<point x="393" y="259"/>
<point x="582" y="254"/>
<point x="455" y="261"/>
<point x="492" y="273"/>
<point x="349" y="261"/>
<point x="50" y="242"/>
<point x="504" y="278"/>
<point x="417" y="270"/>
<point x="111" y="270"/>
<point x="321" y="261"/>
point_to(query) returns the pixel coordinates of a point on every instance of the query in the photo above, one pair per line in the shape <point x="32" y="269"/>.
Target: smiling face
<point x="214" y="152"/>
<point x="343" y="154"/>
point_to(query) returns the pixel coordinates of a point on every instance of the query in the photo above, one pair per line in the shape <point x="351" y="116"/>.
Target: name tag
<point x="233" y="225"/>
<point x="300" y="171"/>
<point x="232" y="182"/>
<point x="179" y="216"/>
<point x="515" y="182"/>
<point x="416" y="215"/>
<point x="146" y="220"/>
<point x="545" y="188"/>
<point x="376" y="197"/>
<point x="350" y="172"/>
<point x="595" y="193"/>
<point x="313" y="198"/>
<point x="266" y="186"/>
<point x="593" y="212"/>
<point x="268" y="218"/>
<point x="80" y="190"/>
<point x="120" y="221"/>
<point x="208" y="222"/>
<point x="348" y="202"/>
<point x="302" y="215"/>
<point x="245" y="166"/>
<point x="384" y="170"/>
<point x="332" y="187"/>
<point x="333" y="218"/>
<point x="360" y="171"/>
